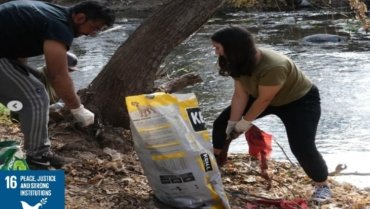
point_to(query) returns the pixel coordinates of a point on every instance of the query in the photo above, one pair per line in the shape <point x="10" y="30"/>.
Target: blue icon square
<point x="32" y="189"/>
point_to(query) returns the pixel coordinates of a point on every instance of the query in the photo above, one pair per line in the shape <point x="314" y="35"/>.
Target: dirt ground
<point x="106" y="173"/>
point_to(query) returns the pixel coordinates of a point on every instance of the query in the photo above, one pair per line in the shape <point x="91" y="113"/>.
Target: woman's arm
<point x="238" y="102"/>
<point x="265" y="95"/>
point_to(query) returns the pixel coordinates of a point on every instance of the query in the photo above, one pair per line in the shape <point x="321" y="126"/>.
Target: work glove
<point x="230" y="130"/>
<point x="243" y="126"/>
<point x="83" y="116"/>
<point x="230" y="126"/>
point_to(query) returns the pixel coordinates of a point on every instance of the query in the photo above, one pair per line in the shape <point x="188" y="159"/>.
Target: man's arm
<point x="58" y="76"/>
<point x="57" y="73"/>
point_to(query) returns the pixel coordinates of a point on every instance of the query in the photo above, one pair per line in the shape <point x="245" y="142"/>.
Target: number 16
<point x="11" y="182"/>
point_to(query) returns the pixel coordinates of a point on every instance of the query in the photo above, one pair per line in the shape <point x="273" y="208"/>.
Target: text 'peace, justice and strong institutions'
<point x="32" y="186"/>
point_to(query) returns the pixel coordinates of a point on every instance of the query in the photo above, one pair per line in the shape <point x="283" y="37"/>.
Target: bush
<point x="4" y="113"/>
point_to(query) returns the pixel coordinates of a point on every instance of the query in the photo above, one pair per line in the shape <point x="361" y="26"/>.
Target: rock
<point x="324" y="38"/>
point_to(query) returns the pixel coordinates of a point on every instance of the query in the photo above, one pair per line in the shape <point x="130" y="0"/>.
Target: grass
<point x="4" y="114"/>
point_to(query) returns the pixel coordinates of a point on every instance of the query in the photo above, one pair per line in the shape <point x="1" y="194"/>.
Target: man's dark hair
<point x="239" y="51"/>
<point x="95" y="10"/>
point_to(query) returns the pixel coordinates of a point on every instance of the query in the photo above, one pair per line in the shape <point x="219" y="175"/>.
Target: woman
<point x="266" y="82"/>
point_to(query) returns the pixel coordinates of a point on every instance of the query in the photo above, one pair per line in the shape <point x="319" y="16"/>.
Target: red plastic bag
<point x="259" y="142"/>
<point x="281" y="203"/>
<point x="294" y="204"/>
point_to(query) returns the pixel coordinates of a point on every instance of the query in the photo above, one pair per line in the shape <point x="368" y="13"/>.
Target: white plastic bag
<point x="174" y="148"/>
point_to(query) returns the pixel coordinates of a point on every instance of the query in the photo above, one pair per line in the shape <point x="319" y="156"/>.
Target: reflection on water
<point x="342" y="73"/>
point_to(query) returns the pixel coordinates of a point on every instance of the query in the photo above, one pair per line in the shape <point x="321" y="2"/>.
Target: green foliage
<point x="4" y="114"/>
<point x="3" y="110"/>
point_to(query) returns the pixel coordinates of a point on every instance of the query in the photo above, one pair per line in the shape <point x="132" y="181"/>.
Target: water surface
<point x="341" y="71"/>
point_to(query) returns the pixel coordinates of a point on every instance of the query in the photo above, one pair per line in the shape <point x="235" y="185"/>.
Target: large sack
<point x="174" y="148"/>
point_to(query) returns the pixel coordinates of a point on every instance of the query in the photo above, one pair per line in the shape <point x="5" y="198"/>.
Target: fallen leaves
<point x="110" y="177"/>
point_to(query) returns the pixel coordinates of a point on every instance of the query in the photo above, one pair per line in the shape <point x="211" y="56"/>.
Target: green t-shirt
<point x="275" y="69"/>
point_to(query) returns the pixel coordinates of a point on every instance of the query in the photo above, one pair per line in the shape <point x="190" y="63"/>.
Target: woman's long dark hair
<point x="239" y="51"/>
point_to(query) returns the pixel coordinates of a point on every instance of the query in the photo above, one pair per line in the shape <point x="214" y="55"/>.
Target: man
<point x="40" y="73"/>
<point x="30" y="28"/>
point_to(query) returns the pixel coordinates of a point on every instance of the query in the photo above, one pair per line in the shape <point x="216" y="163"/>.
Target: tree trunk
<point x="132" y="68"/>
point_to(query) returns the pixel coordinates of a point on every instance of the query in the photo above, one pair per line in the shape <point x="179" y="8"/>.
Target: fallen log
<point x="179" y="83"/>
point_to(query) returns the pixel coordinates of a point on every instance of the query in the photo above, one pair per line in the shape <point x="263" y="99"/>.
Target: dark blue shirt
<point x="25" y="25"/>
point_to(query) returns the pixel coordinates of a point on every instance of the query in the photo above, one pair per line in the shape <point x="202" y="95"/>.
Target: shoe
<point x="55" y="160"/>
<point x="321" y="194"/>
<point x="45" y="160"/>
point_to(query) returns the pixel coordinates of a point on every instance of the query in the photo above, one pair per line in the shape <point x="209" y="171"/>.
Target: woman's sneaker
<point x="321" y="194"/>
<point x="44" y="161"/>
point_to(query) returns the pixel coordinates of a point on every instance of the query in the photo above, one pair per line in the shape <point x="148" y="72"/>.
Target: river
<point x="341" y="71"/>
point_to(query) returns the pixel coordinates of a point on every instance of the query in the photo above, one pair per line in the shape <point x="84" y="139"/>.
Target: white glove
<point x="243" y="126"/>
<point x="82" y="115"/>
<point x="230" y="127"/>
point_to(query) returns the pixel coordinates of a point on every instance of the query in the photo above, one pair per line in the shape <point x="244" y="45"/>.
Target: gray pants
<point x="16" y="83"/>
